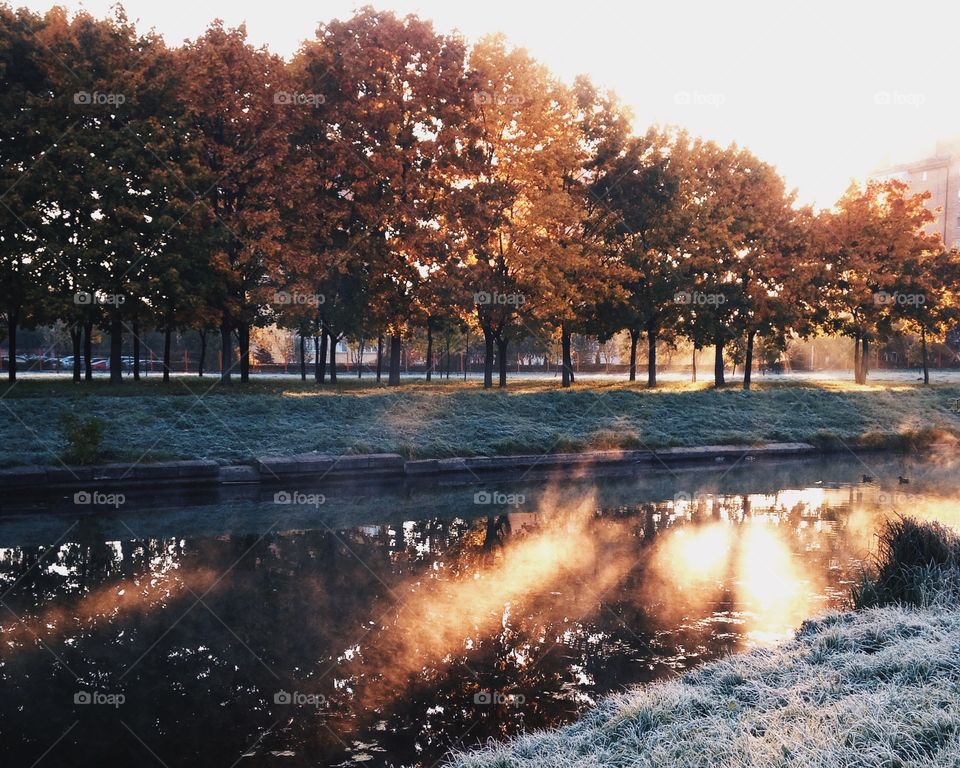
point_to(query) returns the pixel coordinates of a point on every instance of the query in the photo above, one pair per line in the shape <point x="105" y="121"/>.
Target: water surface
<point x="385" y="627"/>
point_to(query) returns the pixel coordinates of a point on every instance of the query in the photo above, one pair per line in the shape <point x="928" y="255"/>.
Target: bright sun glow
<point x="746" y="72"/>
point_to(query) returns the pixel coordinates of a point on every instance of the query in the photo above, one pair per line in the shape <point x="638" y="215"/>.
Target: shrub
<point x="918" y="563"/>
<point x="84" y="437"/>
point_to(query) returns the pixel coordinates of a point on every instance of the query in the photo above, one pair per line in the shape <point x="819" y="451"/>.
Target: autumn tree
<point x="117" y="164"/>
<point x="395" y="98"/>
<point x="643" y="222"/>
<point x="514" y="194"/>
<point x="31" y="129"/>
<point x="866" y="239"/>
<point x="237" y="110"/>
<point x="768" y="260"/>
<point x="924" y="298"/>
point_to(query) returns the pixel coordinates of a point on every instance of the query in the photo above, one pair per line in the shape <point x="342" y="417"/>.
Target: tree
<point x="768" y="262"/>
<point x="864" y="240"/>
<point x="925" y="298"/>
<point x="643" y="222"/>
<point x="30" y="130"/>
<point x="397" y="110"/>
<point x="236" y="109"/>
<point x="513" y="194"/>
<point x="110" y="202"/>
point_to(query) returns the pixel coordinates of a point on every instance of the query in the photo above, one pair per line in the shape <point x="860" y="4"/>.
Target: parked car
<point x="33" y="361"/>
<point x="97" y="363"/>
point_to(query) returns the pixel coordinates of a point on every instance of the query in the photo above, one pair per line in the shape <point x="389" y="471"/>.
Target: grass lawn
<point x="193" y="418"/>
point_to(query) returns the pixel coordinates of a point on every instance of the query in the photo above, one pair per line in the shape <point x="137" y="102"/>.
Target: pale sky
<point x="825" y="91"/>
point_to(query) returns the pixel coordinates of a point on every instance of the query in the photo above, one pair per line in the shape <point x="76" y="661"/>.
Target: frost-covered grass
<point x="189" y="418"/>
<point x="918" y="563"/>
<point x="878" y="688"/>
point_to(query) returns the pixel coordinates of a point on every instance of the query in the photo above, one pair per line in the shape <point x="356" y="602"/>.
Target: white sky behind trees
<point x="824" y="90"/>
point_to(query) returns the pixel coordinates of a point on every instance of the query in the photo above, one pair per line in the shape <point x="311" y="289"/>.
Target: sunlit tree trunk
<point x="718" y="376"/>
<point x="203" y="352"/>
<point x="226" y="352"/>
<point x="487" y="358"/>
<point x="856" y="359"/>
<point x="116" y="349"/>
<point x="88" y="350"/>
<point x="76" y="340"/>
<point x="748" y="362"/>
<point x="12" y="319"/>
<point x="395" y="350"/>
<point x="651" y="355"/>
<point x="167" y="333"/>
<point x="322" y="356"/>
<point x="303" y="357"/>
<point x="243" y="333"/>
<point x="379" y="357"/>
<point x="864" y="359"/>
<point x="502" y="361"/>
<point x="923" y="354"/>
<point x="136" y="349"/>
<point x="333" y="359"/>
<point x="566" y="357"/>
<point x="429" y="348"/>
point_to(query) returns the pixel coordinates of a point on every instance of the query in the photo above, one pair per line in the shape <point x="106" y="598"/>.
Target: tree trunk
<point x="243" y="332"/>
<point x="360" y="359"/>
<point x="487" y="358"/>
<point x="303" y="357"/>
<point x="333" y="359"/>
<point x="923" y="354"/>
<point x="634" y="339"/>
<point x="856" y="358"/>
<point x="566" y="359"/>
<point x="322" y="360"/>
<point x="136" y="349"/>
<point x="12" y="317"/>
<point x="718" y="378"/>
<point x="379" y="357"/>
<point x="116" y="349"/>
<point x="693" y="365"/>
<point x="167" y="334"/>
<point x="317" y="360"/>
<point x="651" y="355"/>
<point x="88" y="350"/>
<point x="226" y="352"/>
<point x="203" y="352"/>
<point x="748" y="362"/>
<point x="393" y="379"/>
<point x="502" y="361"/>
<point x="448" y="356"/>
<point x="429" y="348"/>
<point x="864" y="359"/>
<point x="76" y="339"/>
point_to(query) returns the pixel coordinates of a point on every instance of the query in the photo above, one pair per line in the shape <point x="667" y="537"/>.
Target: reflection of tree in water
<point x="319" y="612"/>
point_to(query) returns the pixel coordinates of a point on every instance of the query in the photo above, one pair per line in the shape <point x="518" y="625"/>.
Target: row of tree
<point x="390" y="178"/>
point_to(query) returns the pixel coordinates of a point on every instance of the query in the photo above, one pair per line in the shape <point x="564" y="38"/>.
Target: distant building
<point x="940" y="176"/>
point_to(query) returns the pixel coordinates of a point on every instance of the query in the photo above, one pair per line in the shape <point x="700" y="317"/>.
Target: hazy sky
<point x="824" y="90"/>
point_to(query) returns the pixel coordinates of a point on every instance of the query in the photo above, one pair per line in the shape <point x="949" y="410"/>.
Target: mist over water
<point x="393" y="628"/>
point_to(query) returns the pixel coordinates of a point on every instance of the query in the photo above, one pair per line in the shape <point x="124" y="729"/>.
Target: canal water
<point x="388" y="626"/>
